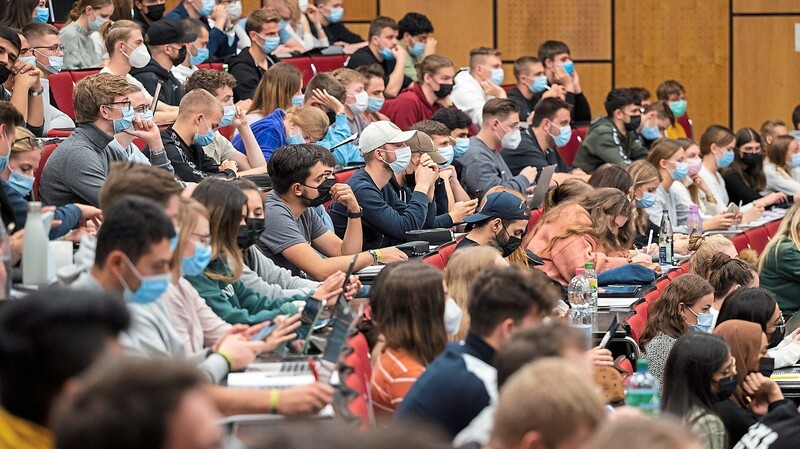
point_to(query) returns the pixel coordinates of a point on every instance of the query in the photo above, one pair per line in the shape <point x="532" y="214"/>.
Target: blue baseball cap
<point x="503" y="205"/>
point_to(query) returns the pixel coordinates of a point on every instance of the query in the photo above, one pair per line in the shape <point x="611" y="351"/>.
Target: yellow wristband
<point x="274" y="398"/>
<point x="228" y="358"/>
<point x="378" y="253"/>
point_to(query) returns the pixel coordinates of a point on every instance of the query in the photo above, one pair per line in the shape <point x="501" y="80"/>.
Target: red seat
<point x="327" y="63"/>
<point x="569" y="150"/>
<point x="62" y="133"/>
<point x="78" y="75"/>
<point x="638" y="321"/>
<point x="59" y="25"/>
<point x="652" y="296"/>
<point x="61" y="86"/>
<point x="227" y="132"/>
<point x="218" y="66"/>
<point x="508" y="87"/>
<point x="304" y="65"/>
<point x="441" y="256"/>
<point x="740" y="242"/>
<point x="536" y="215"/>
<point x="758" y="238"/>
<point x="343" y="176"/>
<point x="772" y="228"/>
<point x="686" y="124"/>
<point x="359" y="379"/>
<point x="48" y="150"/>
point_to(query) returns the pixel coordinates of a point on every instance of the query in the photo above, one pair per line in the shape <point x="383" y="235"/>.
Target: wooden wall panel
<point x="360" y="10"/>
<point x="585" y="25"/>
<point x="459" y="25"/>
<point x="765" y="68"/>
<point x="651" y="46"/>
<point x="596" y="83"/>
<point x="765" y="6"/>
<point x="362" y="29"/>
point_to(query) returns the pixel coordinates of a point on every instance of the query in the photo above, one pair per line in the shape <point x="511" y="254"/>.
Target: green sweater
<point x="604" y="143"/>
<point x="238" y="303"/>
<point x="781" y="274"/>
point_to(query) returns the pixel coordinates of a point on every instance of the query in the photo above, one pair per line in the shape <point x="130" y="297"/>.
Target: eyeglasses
<point x="25" y="51"/>
<point x="54" y="48"/>
<point x="30" y="141"/>
<point x="205" y="239"/>
<point x="141" y="109"/>
<point x="125" y="105"/>
<point x="781" y="324"/>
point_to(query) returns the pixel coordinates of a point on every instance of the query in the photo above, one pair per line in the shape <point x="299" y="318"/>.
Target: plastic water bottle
<point x="5" y="250"/>
<point x="580" y="298"/>
<point x="665" y="247"/>
<point x="694" y="223"/>
<point x="38" y="267"/>
<point x="591" y="277"/>
<point x="641" y="389"/>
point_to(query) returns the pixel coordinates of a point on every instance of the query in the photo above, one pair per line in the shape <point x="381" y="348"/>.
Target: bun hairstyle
<point x="725" y="272"/>
<point x="80" y="6"/>
<point x="705" y="248"/>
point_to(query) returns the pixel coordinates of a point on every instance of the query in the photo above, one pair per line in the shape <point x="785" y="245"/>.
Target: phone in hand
<point x="264" y="333"/>
<point x="311" y="311"/>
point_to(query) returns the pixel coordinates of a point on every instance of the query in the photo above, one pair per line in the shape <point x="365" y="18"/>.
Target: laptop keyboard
<point x="295" y="367"/>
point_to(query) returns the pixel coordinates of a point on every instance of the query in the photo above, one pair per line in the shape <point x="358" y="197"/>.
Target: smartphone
<point x="311" y="311"/>
<point x="264" y="333"/>
<point x="349" y="273"/>
<point x="732" y="208"/>
<point x="479" y="194"/>
<point x="610" y="333"/>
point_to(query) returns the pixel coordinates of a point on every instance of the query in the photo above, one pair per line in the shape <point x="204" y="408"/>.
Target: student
<point x="85" y="17"/>
<point x="415" y="33"/>
<point x="674" y="95"/>
<point x="166" y="40"/>
<point x="296" y="26"/>
<point x="773" y="128"/>
<point x="571" y="190"/>
<point x="76" y="172"/>
<point x="386" y="217"/>
<point x="634" y="432"/>
<point x="374" y="88"/>
<point x="560" y="69"/>
<point x="501" y="222"/>
<point x="459" y="124"/>
<point x="412" y="331"/>
<point x="717" y="146"/>
<point x="777" y="265"/>
<point x="279" y="88"/>
<point x="18" y="179"/>
<point x="462" y="381"/>
<point x="484" y="167"/>
<point x="572" y="234"/>
<point x="783" y="156"/>
<point x="325" y="93"/>
<point x="27" y="95"/>
<point x="549" y="130"/>
<point x="221" y="85"/>
<point x="10" y="120"/>
<point x="472" y="89"/>
<point x="755" y="392"/>
<point x="613" y="138"/>
<point x="684" y="306"/>
<point x="428" y="94"/>
<point x="68" y="331"/>
<point x="610" y="175"/>
<point x="745" y="178"/>
<point x="161" y="401"/>
<point x="297" y="125"/>
<point x="669" y="157"/>
<point x="700" y="372"/>
<point x="727" y="275"/>
<point x="646" y="180"/>
<point x="249" y="65"/>
<point x="196" y="52"/>
<point x="198" y="119"/>
<point x="357" y="102"/>
<point x="147" y="12"/>
<point x="296" y="238"/>
<point x="462" y="270"/>
<point x="457" y="199"/>
<point x="18" y="14"/>
<point x="382" y="49"/>
<point x="43" y="39"/>
<point x="532" y="86"/>
<point x="332" y="12"/>
<point x="221" y="39"/>
<point x="796" y="122"/>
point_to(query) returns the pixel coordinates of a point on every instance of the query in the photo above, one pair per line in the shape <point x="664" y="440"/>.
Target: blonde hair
<point x="518" y="257"/>
<point x="462" y="269"/>
<point x="310" y="119"/>
<point x="789" y="228"/>
<point x="189" y="211"/>
<point x="118" y="31"/>
<point x="24" y="141"/>
<point x="636" y="432"/>
<point x="346" y="76"/>
<point x="198" y="101"/>
<point x="80" y="6"/>
<point x="641" y="172"/>
<point x="95" y="91"/>
<point x="534" y="400"/>
<point x="705" y="248"/>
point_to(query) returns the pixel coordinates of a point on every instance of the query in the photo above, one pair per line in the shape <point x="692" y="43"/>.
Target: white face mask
<point x="303" y="5"/>
<point x="512" y="138"/>
<point x="452" y="316"/>
<point x="362" y="99"/>
<point x="139" y="57"/>
<point x="234" y="11"/>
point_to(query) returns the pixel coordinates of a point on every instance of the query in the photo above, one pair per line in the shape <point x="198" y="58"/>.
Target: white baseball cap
<point x="378" y="134"/>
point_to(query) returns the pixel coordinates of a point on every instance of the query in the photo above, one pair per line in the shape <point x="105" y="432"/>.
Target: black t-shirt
<point x="525" y="106"/>
<point x="529" y="153"/>
<point x="363" y="56"/>
<point x="337" y="32"/>
<point x="738" y="190"/>
<point x="466" y="243"/>
<point x="778" y="429"/>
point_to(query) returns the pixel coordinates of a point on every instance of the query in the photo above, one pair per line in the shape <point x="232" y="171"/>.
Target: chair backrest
<point x="686" y="124"/>
<point x="740" y="242"/>
<point x="569" y="150"/>
<point x="758" y="238"/>
<point x="47" y="151"/>
<point x="343" y="176"/>
<point x="327" y="63"/>
<point x="78" y="75"/>
<point x="303" y="64"/>
<point x="61" y="86"/>
<point x="638" y="321"/>
<point x="227" y="131"/>
<point x="218" y="66"/>
<point x="359" y="380"/>
<point x="536" y="216"/>
<point x="441" y="256"/>
<point x="772" y="228"/>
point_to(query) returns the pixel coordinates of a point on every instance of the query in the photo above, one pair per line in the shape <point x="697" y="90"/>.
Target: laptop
<point x="542" y="186"/>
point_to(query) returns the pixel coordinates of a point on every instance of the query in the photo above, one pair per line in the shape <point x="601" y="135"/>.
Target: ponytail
<point x="80" y="6"/>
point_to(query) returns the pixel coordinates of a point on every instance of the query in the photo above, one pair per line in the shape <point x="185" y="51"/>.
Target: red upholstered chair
<point x="62" y="133"/>
<point x="441" y="256"/>
<point x="359" y="380"/>
<point x="687" y="125"/>
<point x="304" y="65"/>
<point x="48" y="150"/>
<point x="327" y="63"/>
<point x="227" y="132"/>
<point x="61" y="86"/>
<point x="78" y="75"/>
<point x="536" y="215"/>
<point x="758" y="238"/>
<point x="772" y="228"/>
<point x="218" y="66"/>
<point x="740" y="242"/>
<point x="343" y="176"/>
<point x="652" y="296"/>
<point x="569" y="150"/>
<point x="638" y="321"/>
<point x="59" y="25"/>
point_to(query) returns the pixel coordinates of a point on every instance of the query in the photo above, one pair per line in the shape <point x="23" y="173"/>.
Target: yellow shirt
<point x="18" y="433"/>
<point x="675" y="132"/>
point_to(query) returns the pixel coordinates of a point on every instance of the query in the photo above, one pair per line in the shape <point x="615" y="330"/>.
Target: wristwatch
<point x="35" y="93"/>
<point x="358" y="214"/>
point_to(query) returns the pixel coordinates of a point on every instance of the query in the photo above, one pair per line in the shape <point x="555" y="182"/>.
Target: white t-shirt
<point x="130" y="79"/>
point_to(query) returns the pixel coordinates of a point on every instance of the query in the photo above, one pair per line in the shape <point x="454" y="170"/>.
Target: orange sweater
<point x="393" y="374"/>
<point x="574" y="251"/>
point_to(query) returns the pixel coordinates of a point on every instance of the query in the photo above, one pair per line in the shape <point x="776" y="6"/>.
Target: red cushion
<point x="63" y="133"/>
<point x="536" y="215"/>
<point x="227" y="132"/>
<point x="59" y="25"/>
<point x="359" y="380"/>
<point x="772" y="228"/>
<point x="218" y="66"/>
<point x="61" y="86"/>
<point x="344" y="175"/>
<point x="652" y="296"/>
<point x="441" y="256"/>
<point x="758" y="238"/>
<point x="304" y="65"/>
<point x="740" y="242"/>
<point x="638" y="321"/>
<point x="78" y="75"/>
<point x="686" y="124"/>
<point x="329" y="63"/>
<point x="48" y="150"/>
<point x="569" y="150"/>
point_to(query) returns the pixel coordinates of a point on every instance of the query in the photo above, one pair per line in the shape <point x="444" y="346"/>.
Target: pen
<point x="313" y="367"/>
<point x="650" y="240"/>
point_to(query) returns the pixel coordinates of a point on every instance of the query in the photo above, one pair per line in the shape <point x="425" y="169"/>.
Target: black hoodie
<point x="151" y="74"/>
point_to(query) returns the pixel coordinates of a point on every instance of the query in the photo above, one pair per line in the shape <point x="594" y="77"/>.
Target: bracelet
<point x="378" y="254"/>
<point x="274" y="398"/>
<point x="227" y="358"/>
<point x="35" y="93"/>
<point x="358" y="214"/>
<point x="374" y="255"/>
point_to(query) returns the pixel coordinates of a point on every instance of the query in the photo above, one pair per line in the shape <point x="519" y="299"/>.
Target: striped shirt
<point x="393" y="374"/>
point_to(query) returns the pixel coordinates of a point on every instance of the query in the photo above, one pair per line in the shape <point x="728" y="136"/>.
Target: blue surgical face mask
<point x="296" y="139"/>
<point x="650" y="132"/>
<point x="207" y="8"/>
<point x="569" y="67"/>
<point x="497" y="76"/>
<point x="200" y="57"/>
<point x="725" y="160"/>
<point x="150" y="287"/>
<point x="282" y="24"/>
<point x="704" y="321"/>
<point x="417" y="49"/>
<point x="447" y="153"/>
<point x="228" y="114"/>
<point x="386" y="53"/>
<point x="30" y="60"/>
<point x="539" y="84"/>
<point x="4" y="159"/>
<point x="97" y="23"/>
<point x="145" y="116"/>
<point x="795" y="162"/>
<point x="678" y="108"/>
<point x="197" y="263"/>
<point x="374" y="104"/>
<point x="336" y="15"/>
<point x="126" y="122"/>
<point x="680" y="172"/>
<point x="56" y="63"/>
<point x="21" y="183"/>
<point x="298" y="100"/>
<point x="461" y="146"/>
<point x="564" y="136"/>
<point x="42" y="15"/>
<point x="270" y="44"/>
<point x="403" y="159"/>
<point x="204" y="139"/>
<point x="648" y="200"/>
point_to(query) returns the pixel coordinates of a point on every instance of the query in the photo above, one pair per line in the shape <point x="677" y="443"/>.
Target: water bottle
<point x="665" y="241"/>
<point x="580" y="298"/>
<point x="591" y="278"/>
<point x="694" y="223"/>
<point x="5" y="250"/>
<point x="38" y="267"/>
<point x="641" y="390"/>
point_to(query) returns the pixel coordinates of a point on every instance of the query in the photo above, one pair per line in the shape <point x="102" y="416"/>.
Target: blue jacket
<point x="454" y="388"/>
<point x="347" y="154"/>
<point x="218" y="44"/>
<point x="69" y="214"/>
<point x="270" y="134"/>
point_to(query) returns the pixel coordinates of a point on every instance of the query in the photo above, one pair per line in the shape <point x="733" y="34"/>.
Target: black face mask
<point x="751" y="160"/>
<point x="444" y="90"/>
<point x="250" y="232"/>
<point x="511" y="244"/>
<point x="324" y="196"/>
<point x="181" y="56"/>
<point x="727" y="385"/>
<point x="633" y="125"/>
<point x="155" y="12"/>
<point x="766" y="365"/>
<point x="4" y="74"/>
<point x="777" y="337"/>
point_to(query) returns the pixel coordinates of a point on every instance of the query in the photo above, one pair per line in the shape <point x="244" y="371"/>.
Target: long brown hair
<point x="189" y="211"/>
<point x="641" y="172"/>
<point x="715" y="134"/>
<point x="694" y="192"/>
<point x="754" y="176"/>
<point x="462" y="269"/>
<point x="276" y="88"/>
<point x="776" y="152"/>
<point x="80" y="6"/>
<point x="662" y="149"/>
<point x="663" y="315"/>
<point x="407" y="302"/>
